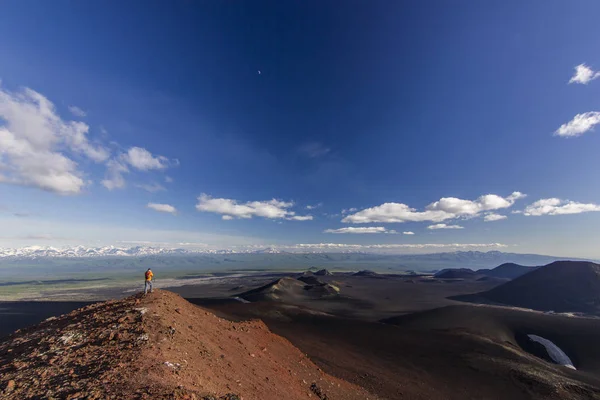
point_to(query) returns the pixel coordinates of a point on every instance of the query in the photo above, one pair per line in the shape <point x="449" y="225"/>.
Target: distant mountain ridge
<point x="112" y="251"/>
<point x="458" y="259"/>
<point x="507" y="271"/>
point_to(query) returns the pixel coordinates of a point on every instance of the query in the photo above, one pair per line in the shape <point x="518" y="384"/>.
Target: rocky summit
<point x="158" y="346"/>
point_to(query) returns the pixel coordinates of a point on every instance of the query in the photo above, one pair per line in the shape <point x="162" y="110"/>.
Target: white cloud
<point x="313" y="149"/>
<point x="394" y="212"/>
<point x="166" y="208"/>
<point x="138" y="158"/>
<point x="142" y="159"/>
<point x="494" y="217"/>
<point x="227" y="217"/>
<point x="360" y="230"/>
<point x="459" y="207"/>
<point x="168" y="179"/>
<point x="151" y="187"/>
<point x="579" y="125"/>
<point x="555" y="206"/>
<point x="444" y="209"/>
<point x="408" y="233"/>
<point x="584" y="75"/>
<point x="36" y="145"/>
<point x="272" y="209"/>
<point x="444" y="226"/>
<point x="76" y="111"/>
<point x="349" y="210"/>
<point x="301" y="218"/>
<point x="312" y="207"/>
<point x="114" y="175"/>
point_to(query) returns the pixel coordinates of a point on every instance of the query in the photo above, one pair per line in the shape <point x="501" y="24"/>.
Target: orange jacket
<point x="149" y="275"/>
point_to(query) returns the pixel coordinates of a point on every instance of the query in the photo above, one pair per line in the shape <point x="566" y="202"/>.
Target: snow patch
<point x="241" y="300"/>
<point x="556" y="354"/>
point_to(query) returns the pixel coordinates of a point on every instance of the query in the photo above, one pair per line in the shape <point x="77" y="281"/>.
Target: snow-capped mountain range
<point x="108" y="251"/>
<point x="283" y="256"/>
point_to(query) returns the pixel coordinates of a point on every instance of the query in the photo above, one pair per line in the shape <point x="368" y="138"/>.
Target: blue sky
<point x="411" y="114"/>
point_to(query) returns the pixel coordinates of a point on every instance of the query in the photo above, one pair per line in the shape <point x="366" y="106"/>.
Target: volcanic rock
<point x="158" y="347"/>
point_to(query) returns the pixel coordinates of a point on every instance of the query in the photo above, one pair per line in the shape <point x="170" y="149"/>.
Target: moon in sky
<point x="259" y="72"/>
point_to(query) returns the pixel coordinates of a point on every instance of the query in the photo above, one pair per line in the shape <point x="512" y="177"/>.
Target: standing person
<point x="148" y="275"/>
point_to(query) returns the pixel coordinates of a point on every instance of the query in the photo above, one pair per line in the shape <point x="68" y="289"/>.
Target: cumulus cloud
<point x="554" y="206"/>
<point x="166" y="208"/>
<point x="444" y="209"/>
<point x="494" y="217"/>
<point x="300" y="218"/>
<point x="229" y="208"/>
<point x="444" y="226"/>
<point x="459" y="207"/>
<point x="76" y="111"/>
<point x="351" y="229"/>
<point x="313" y="150"/>
<point x="141" y="159"/>
<point x="37" y="145"/>
<point x="408" y="233"/>
<point x="579" y="125"/>
<point x="38" y="148"/>
<point x="584" y="75"/>
<point x="394" y="212"/>
<point x="137" y="158"/>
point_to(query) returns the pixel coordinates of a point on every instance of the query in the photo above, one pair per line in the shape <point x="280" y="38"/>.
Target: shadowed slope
<point x="577" y="336"/>
<point x="290" y="289"/>
<point x="457" y="273"/>
<point x="563" y="286"/>
<point x="438" y="355"/>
